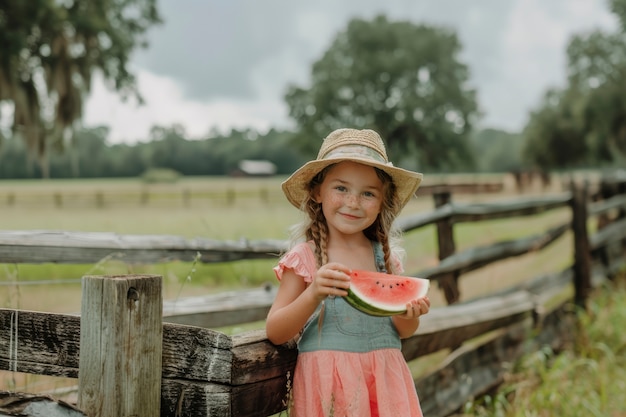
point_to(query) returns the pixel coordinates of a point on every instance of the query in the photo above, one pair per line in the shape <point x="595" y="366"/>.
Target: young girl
<point x="349" y="363"/>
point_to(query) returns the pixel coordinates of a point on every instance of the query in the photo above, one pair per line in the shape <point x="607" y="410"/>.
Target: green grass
<point x="588" y="379"/>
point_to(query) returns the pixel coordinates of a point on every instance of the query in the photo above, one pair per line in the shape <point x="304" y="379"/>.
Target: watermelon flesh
<point x="381" y="294"/>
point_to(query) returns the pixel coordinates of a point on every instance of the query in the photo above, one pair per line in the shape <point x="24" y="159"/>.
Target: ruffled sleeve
<point x="300" y="259"/>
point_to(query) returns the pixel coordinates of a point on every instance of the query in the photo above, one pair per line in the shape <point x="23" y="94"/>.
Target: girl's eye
<point x="340" y="188"/>
<point x="369" y="194"/>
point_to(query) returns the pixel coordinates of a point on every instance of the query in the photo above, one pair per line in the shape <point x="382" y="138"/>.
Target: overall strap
<point x="379" y="257"/>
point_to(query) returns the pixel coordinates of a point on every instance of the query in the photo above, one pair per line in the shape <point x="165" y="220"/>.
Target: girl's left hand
<point x="416" y="308"/>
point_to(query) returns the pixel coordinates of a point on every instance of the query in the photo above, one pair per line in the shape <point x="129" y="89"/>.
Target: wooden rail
<point x="205" y="372"/>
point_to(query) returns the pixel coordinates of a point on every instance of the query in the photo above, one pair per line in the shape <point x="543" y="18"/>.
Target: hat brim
<point x="295" y="187"/>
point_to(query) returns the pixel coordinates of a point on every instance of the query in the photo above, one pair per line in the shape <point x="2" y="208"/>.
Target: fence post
<point x="449" y="282"/>
<point x="230" y="197"/>
<point x="186" y="197"/>
<point x="58" y="200"/>
<point x="120" y="358"/>
<point x="582" y="255"/>
<point x="99" y="199"/>
<point x="144" y="198"/>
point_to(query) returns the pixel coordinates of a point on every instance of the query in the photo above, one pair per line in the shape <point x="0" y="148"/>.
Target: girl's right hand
<point x="331" y="279"/>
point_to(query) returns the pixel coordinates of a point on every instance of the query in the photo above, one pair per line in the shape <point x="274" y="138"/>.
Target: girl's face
<point x="351" y="196"/>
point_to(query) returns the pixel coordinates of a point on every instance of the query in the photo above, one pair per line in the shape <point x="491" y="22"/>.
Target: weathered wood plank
<point x="417" y="221"/>
<point x="261" y="399"/>
<point x="611" y="233"/>
<point x="603" y="206"/>
<point x="43" y="343"/>
<point x="478" y="257"/>
<point x="182" y="398"/>
<point x="461" y="188"/>
<point x="458" y="213"/>
<point x="451" y="326"/>
<point x="223" y="309"/>
<point x="255" y="358"/>
<point x="509" y="208"/>
<point x="36" y="246"/>
<point x="196" y="354"/>
<point x="48" y="344"/>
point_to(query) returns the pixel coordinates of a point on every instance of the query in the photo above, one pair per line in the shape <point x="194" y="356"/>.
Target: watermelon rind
<point x="366" y="308"/>
<point x="359" y="302"/>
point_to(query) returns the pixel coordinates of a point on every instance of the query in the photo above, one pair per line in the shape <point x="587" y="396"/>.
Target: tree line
<point x="168" y="148"/>
<point x="92" y="157"/>
<point x="404" y="80"/>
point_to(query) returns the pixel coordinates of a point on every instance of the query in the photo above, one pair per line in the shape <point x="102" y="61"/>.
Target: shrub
<point x="160" y="175"/>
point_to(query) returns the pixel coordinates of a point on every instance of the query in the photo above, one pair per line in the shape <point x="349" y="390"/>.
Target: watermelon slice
<point x="380" y="294"/>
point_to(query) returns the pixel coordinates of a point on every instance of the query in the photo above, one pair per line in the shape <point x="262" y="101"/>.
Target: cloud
<point x="165" y="105"/>
<point x="228" y="64"/>
<point x="533" y="55"/>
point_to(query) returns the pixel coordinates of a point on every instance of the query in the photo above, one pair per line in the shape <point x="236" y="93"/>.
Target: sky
<point x="215" y="65"/>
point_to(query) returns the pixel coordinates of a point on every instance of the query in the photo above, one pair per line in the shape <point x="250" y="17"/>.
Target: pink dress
<point x="351" y="365"/>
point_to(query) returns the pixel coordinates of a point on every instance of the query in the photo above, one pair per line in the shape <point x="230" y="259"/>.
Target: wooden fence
<point x="115" y="345"/>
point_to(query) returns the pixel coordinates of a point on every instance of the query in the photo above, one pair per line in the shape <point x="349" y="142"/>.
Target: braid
<point x="319" y="235"/>
<point x="323" y="247"/>
<point x="317" y="229"/>
<point x="384" y="240"/>
<point x="382" y="229"/>
<point x="314" y="230"/>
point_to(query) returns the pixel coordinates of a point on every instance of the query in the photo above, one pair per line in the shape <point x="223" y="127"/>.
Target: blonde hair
<point x="314" y="227"/>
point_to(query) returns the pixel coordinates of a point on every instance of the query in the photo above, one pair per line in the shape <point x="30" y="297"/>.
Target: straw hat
<point x="362" y="146"/>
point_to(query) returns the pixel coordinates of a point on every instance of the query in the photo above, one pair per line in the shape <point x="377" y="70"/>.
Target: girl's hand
<point x="416" y="308"/>
<point x="331" y="279"/>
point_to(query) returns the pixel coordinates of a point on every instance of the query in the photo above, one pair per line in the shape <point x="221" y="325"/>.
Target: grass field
<point x="236" y="209"/>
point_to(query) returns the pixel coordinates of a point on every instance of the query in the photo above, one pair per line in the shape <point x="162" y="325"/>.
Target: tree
<point x="618" y="7"/>
<point x="49" y="51"/>
<point x="401" y="79"/>
<point x="554" y="135"/>
<point x="587" y="117"/>
<point x="597" y="70"/>
<point x="499" y="151"/>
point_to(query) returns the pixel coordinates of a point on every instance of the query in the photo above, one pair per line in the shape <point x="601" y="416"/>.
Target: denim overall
<point x="347" y="329"/>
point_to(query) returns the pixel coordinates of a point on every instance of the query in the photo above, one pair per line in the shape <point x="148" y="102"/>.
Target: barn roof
<point x="257" y="167"/>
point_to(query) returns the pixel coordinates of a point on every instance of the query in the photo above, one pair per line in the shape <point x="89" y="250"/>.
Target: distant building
<point x="254" y="168"/>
